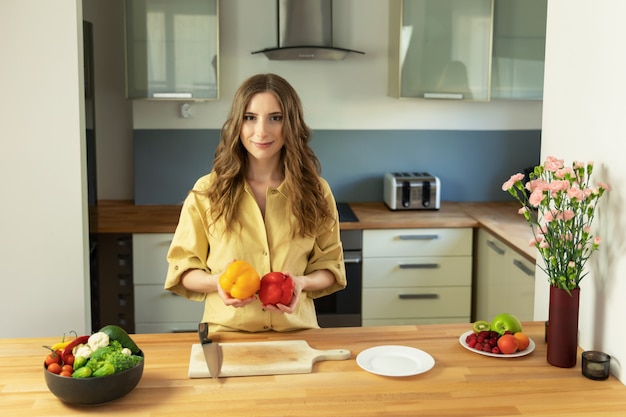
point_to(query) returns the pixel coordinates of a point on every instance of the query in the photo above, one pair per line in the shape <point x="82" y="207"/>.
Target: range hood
<point x="305" y="32"/>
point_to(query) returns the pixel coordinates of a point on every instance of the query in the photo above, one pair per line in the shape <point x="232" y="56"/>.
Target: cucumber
<point x="119" y="334"/>
<point x="84" y="372"/>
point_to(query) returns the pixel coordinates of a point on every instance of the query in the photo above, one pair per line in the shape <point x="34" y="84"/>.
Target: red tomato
<point x="53" y="357"/>
<point x="55" y="368"/>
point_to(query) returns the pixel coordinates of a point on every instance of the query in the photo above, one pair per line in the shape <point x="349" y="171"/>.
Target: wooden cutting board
<point x="263" y="358"/>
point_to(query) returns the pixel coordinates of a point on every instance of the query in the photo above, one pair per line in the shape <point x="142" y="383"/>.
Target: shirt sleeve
<point x="189" y="247"/>
<point x="328" y="251"/>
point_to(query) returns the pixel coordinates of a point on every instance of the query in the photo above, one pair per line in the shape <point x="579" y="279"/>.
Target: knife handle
<point x="203" y="332"/>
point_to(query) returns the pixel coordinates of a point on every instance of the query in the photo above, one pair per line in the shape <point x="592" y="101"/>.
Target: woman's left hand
<point x="298" y="286"/>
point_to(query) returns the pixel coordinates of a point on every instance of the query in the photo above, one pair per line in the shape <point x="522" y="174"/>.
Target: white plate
<point x="395" y="360"/>
<point x="529" y="349"/>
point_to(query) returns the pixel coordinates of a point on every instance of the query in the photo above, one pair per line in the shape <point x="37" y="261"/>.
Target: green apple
<point x="506" y="321"/>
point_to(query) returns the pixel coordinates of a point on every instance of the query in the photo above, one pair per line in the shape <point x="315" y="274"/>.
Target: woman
<point x="265" y="203"/>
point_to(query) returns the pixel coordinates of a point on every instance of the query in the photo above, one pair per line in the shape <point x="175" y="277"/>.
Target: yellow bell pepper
<point x="240" y="280"/>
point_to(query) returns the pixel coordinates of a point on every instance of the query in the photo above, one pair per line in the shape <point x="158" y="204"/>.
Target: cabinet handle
<point x="352" y="261"/>
<point x="495" y="247"/>
<point x="418" y="237"/>
<point x="424" y="296"/>
<point x="351" y="258"/>
<point x="418" y="266"/>
<point x="523" y="267"/>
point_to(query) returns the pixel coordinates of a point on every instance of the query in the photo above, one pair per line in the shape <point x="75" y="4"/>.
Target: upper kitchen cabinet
<point x="467" y="49"/>
<point x="519" y="46"/>
<point x="172" y="49"/>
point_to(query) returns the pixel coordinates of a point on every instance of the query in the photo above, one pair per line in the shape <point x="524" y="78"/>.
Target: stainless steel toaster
<point x="411" y="191"/>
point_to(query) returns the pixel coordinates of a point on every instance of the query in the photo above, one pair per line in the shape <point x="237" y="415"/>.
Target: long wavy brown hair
<point x="301" y="167"/>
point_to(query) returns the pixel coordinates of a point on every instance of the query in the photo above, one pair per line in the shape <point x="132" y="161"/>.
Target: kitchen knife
<point x="212" y="350"/>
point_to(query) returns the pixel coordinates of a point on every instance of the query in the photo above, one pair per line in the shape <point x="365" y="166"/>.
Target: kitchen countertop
<point x="500" y="218"/>
<point x="462" y="383"/>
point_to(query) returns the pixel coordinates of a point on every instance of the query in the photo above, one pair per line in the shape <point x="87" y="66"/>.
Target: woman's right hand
<point x="201" y="281"/>
<point x="230" y="301"/>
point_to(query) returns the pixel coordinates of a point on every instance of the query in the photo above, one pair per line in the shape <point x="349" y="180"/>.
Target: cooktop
<point x="345" y="213"/>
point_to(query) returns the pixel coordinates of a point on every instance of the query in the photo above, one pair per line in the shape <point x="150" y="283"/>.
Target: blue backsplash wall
<point x="472" y="165"/>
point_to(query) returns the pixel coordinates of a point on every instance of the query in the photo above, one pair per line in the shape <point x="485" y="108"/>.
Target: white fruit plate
<point x="529" y="349"/>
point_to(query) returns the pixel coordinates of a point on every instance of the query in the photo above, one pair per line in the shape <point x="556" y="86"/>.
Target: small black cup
<point x="596" y="365"/>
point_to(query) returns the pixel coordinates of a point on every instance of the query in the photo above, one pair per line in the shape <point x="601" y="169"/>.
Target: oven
<point x="343" y="308"/>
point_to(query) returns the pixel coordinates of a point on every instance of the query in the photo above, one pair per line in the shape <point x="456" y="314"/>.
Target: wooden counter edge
<point x="500" y="218"/>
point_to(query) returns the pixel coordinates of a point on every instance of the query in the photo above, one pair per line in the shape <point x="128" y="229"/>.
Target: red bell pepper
<point x="80" y="340"/>
<point x="276" y="288"/>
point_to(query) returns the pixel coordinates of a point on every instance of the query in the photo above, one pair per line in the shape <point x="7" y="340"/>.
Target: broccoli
<point x="113" y="355"/>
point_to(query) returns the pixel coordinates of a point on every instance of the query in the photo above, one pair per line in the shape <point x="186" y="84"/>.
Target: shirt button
<point x="265" y="327"/>
<point x="264" y="253"/>
<point x="176" y="268"/>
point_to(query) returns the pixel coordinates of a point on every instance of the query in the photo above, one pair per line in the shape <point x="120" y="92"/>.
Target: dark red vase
<point x="563" y="327"/>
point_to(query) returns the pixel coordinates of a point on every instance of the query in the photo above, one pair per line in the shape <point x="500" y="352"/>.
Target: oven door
<point x="343" y="308"/>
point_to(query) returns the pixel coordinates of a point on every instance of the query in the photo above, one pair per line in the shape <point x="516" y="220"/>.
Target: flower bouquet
<point x="565" y="204"/>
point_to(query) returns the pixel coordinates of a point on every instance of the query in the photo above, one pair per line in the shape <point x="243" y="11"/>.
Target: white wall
<point x="43" y="215"/>
<point x="583" y="119"/>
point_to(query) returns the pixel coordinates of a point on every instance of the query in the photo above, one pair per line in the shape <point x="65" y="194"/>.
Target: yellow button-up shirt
<point x="265" y="243"/>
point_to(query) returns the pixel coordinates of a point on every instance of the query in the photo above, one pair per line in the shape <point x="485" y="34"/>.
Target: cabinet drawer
<point x="422" y="271"/>
<point x="407" y="302"/>
<point x="150" y="257"/>
<point x="417" y="242"/>
<point x="158" y="305"/>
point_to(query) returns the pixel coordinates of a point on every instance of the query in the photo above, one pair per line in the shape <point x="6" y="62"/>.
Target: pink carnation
<point x="552" y="164"/>
<point x="559" y="185"/>
<point x="561" y="173"/>
<point x="511" y="182"/>
<point x="548" y="216"/>
<point x="575" y="193"/>
<point x="566" y="215"/>
<point x="537" y="184"/>
<point x="536" y="197"/>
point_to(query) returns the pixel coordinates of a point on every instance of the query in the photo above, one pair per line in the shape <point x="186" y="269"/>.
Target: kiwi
<point x="481" y="326"/>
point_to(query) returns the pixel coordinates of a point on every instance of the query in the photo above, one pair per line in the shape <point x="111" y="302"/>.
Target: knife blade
<point x="212" y="350"/>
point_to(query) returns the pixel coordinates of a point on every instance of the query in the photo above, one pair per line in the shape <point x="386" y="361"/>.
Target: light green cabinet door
<point x="467" y="49"/>
<point x="519" y="39"/>
<point x="444" y="49"/>
<point x="172" y="49"/>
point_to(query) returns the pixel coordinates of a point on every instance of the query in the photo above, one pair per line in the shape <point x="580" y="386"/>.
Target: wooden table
<point x="462" y="383"/>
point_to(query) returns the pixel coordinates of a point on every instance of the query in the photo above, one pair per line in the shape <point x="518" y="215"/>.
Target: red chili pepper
<point x="276" y="288"/>
<point x="78" y="341"/>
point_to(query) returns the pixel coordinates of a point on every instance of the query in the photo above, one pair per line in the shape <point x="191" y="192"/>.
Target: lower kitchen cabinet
<point x="505" y="280"/>
<point x="417" y="276"/>
<point x="111" y="270"/>
<point x="158" y="310"/>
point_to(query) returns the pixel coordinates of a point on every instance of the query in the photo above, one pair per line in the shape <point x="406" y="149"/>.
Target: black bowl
<point x="90" y="391"/>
